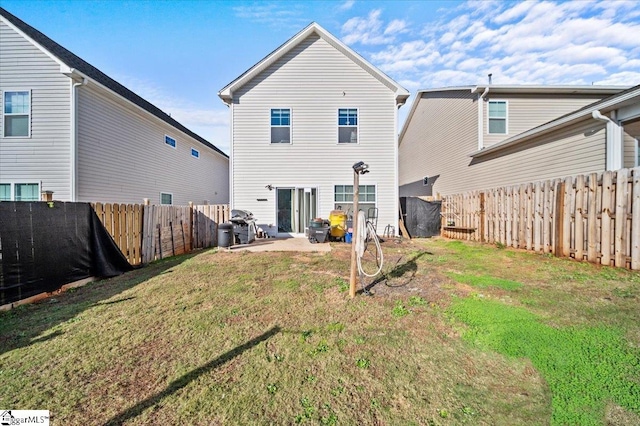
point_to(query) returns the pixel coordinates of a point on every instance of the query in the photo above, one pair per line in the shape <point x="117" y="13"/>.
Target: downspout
<point x="74" y="137"/>
<point x="480" y="121"/>
<point x="613" y="141"/>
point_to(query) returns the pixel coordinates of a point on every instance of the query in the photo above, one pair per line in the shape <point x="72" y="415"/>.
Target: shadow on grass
<point x="407" y="270"/>
<point x="21" y="326"/>
<point x="183" y="381"/>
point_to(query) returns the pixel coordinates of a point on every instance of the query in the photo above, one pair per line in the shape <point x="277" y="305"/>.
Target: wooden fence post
<point x="482" y="219"/>
<point x="605" y="223"/>
<point x="635" y="220"/>
<point x="190" y="226"/>
<point x="559" y="218"/>
<point x="592" y="218"/>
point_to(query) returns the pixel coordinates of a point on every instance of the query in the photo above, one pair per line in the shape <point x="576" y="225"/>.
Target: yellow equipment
<point x="338" y="223"/>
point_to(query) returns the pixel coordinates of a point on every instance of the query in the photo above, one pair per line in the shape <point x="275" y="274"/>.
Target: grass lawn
<point x="454" y="333"/>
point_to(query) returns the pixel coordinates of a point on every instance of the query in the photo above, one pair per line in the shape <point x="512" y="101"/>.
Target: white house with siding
<point x="67" y="127"/>
<point x="300" y="119"/>
<point x="458" y="139"/>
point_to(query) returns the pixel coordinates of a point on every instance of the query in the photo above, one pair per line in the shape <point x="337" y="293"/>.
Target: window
<point x="166" y="198"/>
<point x="170" y="141"/>
<point x="281" y="125"/>
<point x="347" y="125"/>
<point x="497" y="117"/>
<point x="343" y="197"/>
<point x="17" y="111"/>
<point x="5" y="192"/>
<point x="19" y="192"/>
<point x="195" y="153"/>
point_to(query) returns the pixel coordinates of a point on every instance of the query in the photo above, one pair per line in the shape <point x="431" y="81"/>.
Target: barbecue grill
<point x="244" y="226"/>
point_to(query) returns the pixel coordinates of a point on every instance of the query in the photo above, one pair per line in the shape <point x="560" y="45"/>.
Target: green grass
<point x="585" y="367"/>
<point x="273" y="338"/>
<point x="484" y="281"/>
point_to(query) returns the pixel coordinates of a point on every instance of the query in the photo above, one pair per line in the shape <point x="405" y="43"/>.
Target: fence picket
<point x="591" y="217"/>
<point x="620" y="236"/>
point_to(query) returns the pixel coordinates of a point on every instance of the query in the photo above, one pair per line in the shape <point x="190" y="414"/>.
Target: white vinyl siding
<point x="17" y="113"/>
<point x="310" y="79"/>
<point x="44" y="155"/>
<point x="497" y="117"/>
<point x="629" y="151"/>
<point x="280" y="125"/>
<point x="136" y="163"/>
<point x="527" y="111"/>
<point x="442" y="117"/>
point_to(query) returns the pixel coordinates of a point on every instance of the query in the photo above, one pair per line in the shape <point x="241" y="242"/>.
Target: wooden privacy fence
<point x="205" y="224"/>
<point x="124" y="223"/>
<point x="145" y="233"/>
<point x="593" y="217"/>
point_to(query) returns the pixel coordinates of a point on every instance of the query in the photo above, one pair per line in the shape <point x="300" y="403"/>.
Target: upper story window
<point x="280" y="125"/>
<point x="17" y="113"/>
<point x="497" y="117"/>
<point x="170" y="141"/>
<point x="348" y="125"/>
<point x="195" y="153"/>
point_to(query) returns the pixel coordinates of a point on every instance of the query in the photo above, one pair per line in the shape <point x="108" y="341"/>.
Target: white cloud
<point x="273" y="14"/>
<point x="347" y="5"/>
<point x="547" y="42"/>
<point x="515" y="12"/>
<point x="396" y="26"/>
<point x="370" y="30"/>
<point x="624" y="78"/>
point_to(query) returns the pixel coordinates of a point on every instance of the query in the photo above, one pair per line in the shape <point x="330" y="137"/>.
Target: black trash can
<point x="225" y="234"/>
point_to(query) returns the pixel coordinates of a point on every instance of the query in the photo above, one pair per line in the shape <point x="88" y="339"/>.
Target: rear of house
<point x="70" y="129"/>
<point x="300" y="119"/>
<point x="447" y="126"/>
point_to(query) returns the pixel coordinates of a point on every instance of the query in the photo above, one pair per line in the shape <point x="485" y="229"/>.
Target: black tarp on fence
<point x="422" y="218"/>
<point x="46" y="245"/>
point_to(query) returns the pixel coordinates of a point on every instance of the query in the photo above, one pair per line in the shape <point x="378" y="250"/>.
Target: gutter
<point x="613" y="142"/>
<point x="480" y="116"/>
<point x="74" y="133"/>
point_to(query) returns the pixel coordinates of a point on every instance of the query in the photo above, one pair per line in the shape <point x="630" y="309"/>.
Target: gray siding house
<point x="67" y="127"/>
<point x="300" y="119"/>
<point x="459" y="139"/>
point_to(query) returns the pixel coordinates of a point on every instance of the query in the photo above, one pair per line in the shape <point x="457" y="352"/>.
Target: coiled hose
<point x="366" y="232"/>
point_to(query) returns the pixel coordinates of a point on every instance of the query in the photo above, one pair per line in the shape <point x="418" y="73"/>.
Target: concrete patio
<point x="283" y="244"/>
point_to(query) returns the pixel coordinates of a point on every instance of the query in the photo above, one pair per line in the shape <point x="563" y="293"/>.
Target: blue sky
<point x="178" y="54"/>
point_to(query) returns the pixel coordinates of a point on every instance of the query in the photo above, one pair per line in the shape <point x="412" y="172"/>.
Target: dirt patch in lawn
<point x="404" y="273"/>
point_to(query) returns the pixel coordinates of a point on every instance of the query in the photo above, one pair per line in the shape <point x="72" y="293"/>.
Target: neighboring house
<point x="459" y="139"/>
<point x="67" y="127"/>
<point x="300" y="119"/>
